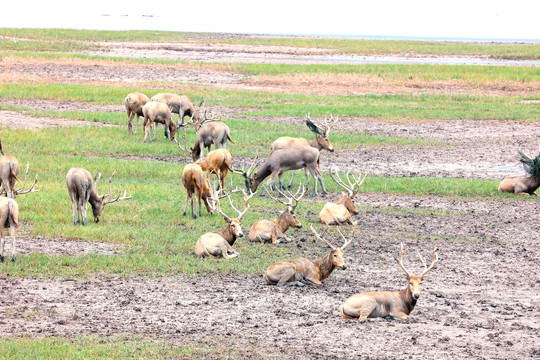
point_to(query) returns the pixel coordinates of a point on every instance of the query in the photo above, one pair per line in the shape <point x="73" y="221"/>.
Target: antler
<point x="118" y="198"/>
<point x="21" y="190"/>
<point x="434" y="259"/>
<point x="318" y="127"/>
<point x="246" y="199"/>
<point x="290" y="198"/>
<point x="185" y="143"/>
<point x="347" y="242"/>
<point x="400" y="261"/>
<point x="247" y="173"/>
<point x="353" y="187"/>
<point x="215" y="204"/>
<point x="321" y="238"/>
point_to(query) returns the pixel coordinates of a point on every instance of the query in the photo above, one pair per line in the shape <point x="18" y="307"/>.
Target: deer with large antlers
<point x="196" y="183"/>
<point x="82" y="191"/>
<point x="134" y="103"/>
<point x="304" y="271"/>
<point x="274" y="231"/>
<point x="215" y="132"/>
<point x="339" y="213"/>
<point x="219" y="244"/>
<point x="181" y="105"/>
<point x="321" y="141"/>
<point x="9" y="169"/>
<point x="9" y="218"/>
<point x="398" y="304"/>
<point x="523" y="184"/>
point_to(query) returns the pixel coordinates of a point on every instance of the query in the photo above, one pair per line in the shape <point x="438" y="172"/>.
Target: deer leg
<point x="75" y="212"/>
<point x="130" y="125"/>
<point x="287" y="277"/>
<point x="146" y="129"/>
<point x="281" y="186"/>
<point x="166" y="131"/>
<point x="400" y="315"/>
<point x="13" y="240"/>
<point x="2" y="243"/>
<point x="155" y="130"/>
<point x="180" y="119"/>
<point x="185" y="207"/>
<point x="292" y="178"/>
<point x="309" y="281"/>
<point x="137" y="125"/>
<point x="193" y="214"/>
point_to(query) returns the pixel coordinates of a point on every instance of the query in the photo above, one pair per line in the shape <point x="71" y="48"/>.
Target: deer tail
<point x="13" y="172"/>
<point x="229" y="138"/>
<point x="126" y="103"/>
<point x="14" y="221"/>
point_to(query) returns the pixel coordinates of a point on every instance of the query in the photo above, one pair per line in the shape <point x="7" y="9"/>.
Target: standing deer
<point x="181" y="105"/>
<point x="9" y="169"/>
<point x="320" y="142"/>
<point x="339" y="213"/>
<point x="9" y="218"/>
<point x="156" y="112"/>
<point x="520" y="184"/>
<point x="219" y="244"/>
<point x="304" y="271"/>
<point x="398" y="304"/>
<point x="209" y="133"/>
<point x="274" y="231"/>
<point x="82" y="191"/>
<point x="134" y="103"/>
<point x="196" y="182"/>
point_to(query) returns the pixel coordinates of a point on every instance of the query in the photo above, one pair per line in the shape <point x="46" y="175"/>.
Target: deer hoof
<point x="194" y="216"/>
<point x="12" y="258"/>
<point x="1" y="258"/>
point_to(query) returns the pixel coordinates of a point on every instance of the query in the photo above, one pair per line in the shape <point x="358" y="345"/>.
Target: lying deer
<point x="157" y="112"/>
<point x="181" y="105"/>
<point x="304" y="271"/>
<point x="339" y="213"/>
<point x="320" y="142"/>
<point x="219" y="244"/>
<point x="196" y="183"/>
<point x="398" y="304"/>
<point x="9" y="218"/>
<point x="134" y="103"/>
<point x="216" y="133"/>
<point x="9" y="169"/>
<point x="82" y="191"/>
<point x="274" y="231"/>
<point x="523" y="184"/>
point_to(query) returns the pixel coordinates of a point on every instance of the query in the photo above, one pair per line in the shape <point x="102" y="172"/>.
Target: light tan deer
<point x="157" y="112"/>
<point x="9" y="169"/>
<point x="134" y="103"/>
<point x="82" y="191"/>
<point x="181" y="105"/>
<point x="339" y="213"/>
<point x="274" y="231"/>
<point x="398" y="304"/>
<point x="215" y="132"/>
<point x="196" y="183"/>
<point x="321" y="141"/>
<point x="219" y="244"/>
<point x="304" y="271"/>
<point x="9" y="218"/>
<point x="523" y="184"/>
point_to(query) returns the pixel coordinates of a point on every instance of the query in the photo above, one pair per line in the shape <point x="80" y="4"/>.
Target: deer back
<point x="9" y="169"/>
<point x="79" y="181"/>
<point x="287" y="141"/>
<point x="135" y="101"/>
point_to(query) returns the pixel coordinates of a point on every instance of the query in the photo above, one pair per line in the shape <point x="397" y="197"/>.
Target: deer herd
<point x="287" y="154"/>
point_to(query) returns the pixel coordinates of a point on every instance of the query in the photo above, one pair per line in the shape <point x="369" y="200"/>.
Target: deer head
<point x="336" y="252"/>
<point x="416" y="280"/>
<point x="97" y="206"/>
<point x="251" y="183"/>
<point x="352" y="189"/>
<point x="322" y="130"/>
<point x="291" y="203"/>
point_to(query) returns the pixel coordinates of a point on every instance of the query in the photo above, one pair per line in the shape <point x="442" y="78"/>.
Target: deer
<point x="209" y="133"/>
<point x="281" y="160"/>
<point x="9" y="169"/>
<point x="340" y="212"/>
<point x="321" y="141"/>
<point x="82" y="191"/>
<point x="219" y="244"/>
<point x="303" y="271"/>
<point x="196" y="183"/>
<point x="134" y="103"/>
<point x="9" y="218"/>
<point x="157" y="112"/>
<point x="181" y="105"/>
<point x="274" y="231"/>
<point x="398" y="304"/>
<point x="525" y="185"/>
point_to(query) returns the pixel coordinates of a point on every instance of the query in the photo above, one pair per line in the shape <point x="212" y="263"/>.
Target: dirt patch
<point x="61" y="246"/>
<point x="22" y="121"/>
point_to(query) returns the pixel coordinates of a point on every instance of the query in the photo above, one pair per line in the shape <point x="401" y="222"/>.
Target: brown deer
<point x="82" y="191"/>
<point x="219" y="244"/>
<point x="304" y="271"/>
<point x="9" y="218"/>
<point x="274" y="231"/>
<point x="181" y="105"/>
<point x="398" y="304"/>
<point x="134" y="103"/>
<point x="526" y="184"/>
<point x="196" y="183"/>
<point x="9" y="169"/>
<point x="157" y="112"/>
<point x="339" y="213"/>
<point x="321" y="141"/>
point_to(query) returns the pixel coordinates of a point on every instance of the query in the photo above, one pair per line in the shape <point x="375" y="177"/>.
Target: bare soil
<point x="19" y="120"/>
<point x="28" y="244"/>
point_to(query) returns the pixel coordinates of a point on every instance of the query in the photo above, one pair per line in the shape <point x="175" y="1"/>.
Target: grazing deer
<point x="196" y="182"/>
<point x="9" y="218"/>
<point x="134" y="103"/>
<point x="9" y="169"/>
<point x="157" y="112"/>
<point x="181" y="105"/>
<point x="209" y="133"/>
<point x="82" y="191"/>
<point x="397" y="304"/>
<point x="219" y="244"/>
<point x="217" y="162"/>
<point x="274" y="231"/>
<point x="320" y="142"/>
<point x="523" y="184"/>
<point x="304" y="271"/>
<point x="339" y="213"/>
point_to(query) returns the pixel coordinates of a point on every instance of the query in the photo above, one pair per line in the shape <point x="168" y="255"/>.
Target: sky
<point x="480" y="19"/>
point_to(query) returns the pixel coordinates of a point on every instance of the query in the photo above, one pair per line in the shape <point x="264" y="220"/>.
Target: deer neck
<point x="94" y="198"/>
<point x="342" y="200"/>
<point x="407" y="300"/>
<point x="325" y="265"/>
<point x="534" y="184"/>
<point x="263" y="172"/>
<point x="281" y="222"/>
<point x="203" y="165"/>
<point x="315" y="143"/>
<point x="228" y="235"/>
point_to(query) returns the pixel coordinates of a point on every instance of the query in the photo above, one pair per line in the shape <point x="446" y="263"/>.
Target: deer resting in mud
<point x="209" y="133"/>
<point x="181" y="105"/>
<point x="321" y="141"/>
<point x="526" y="184"/>
<point x="9" y="169"/>
<point x="339" y="213"/>
<point x="82" y="191"/>
<point x="156" y="112"/>
<point x="304" y="271"/>
<point x="398" y="304"/>
<point x="196" y="183"/>
<point x="274" y="231"/>
<point x="219" y="244"/>
<point x="9" y="218"/>
<point x="134" y="103"/>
